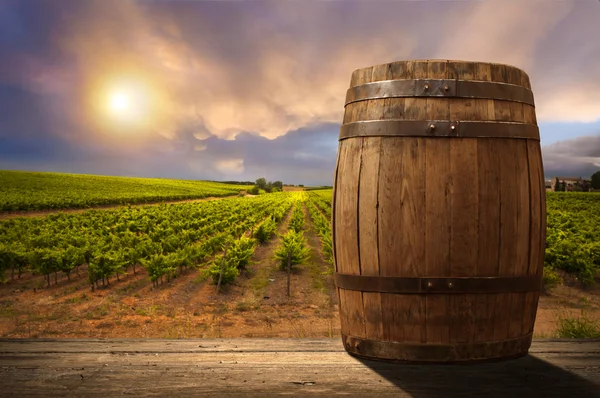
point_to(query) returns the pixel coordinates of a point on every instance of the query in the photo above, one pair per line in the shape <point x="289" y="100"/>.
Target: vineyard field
<point x="151" y="271"/>
<point x="162" y="238"/>
<point x="20" y="190"/>
<point x="573" y="234"/>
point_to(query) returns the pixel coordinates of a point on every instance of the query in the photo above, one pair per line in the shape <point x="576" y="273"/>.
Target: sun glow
<point x="129" y="106"/>
<point x="119" y="102"/>
<point x="127" y="103"/>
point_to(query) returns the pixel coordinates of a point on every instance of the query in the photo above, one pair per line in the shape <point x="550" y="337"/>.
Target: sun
<point x="127" y="103"/>
<point x="119" y="102"/>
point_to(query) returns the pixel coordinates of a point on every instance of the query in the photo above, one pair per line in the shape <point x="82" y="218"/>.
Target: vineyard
<point x="161" y="238"/>
<point x="40" y="191"/>
<point x="573" y="234"/>
<point x="166" y="238"/>
<point x="145" y="269"/>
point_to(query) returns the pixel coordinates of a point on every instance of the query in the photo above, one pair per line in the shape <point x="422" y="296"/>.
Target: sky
<point x="236" y="90"/>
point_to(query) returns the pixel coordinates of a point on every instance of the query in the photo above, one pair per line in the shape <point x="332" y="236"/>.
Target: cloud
<point x="228" y="81"/>
<point x="230" y="166"/>
<point x="578" y="157"/>
<point x="273" y="67"/>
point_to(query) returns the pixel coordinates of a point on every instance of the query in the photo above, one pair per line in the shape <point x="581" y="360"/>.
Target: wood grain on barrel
<point x="437" y="236"/>
<point x="368" y="232"/>
<point x="369" y="304"/>
<point x="437" y="225"/>
<point x="488" y="234"/>
<point x="540" y="180"/>
<point x="439" y="207"/>
<point x="535" y="253"/>
<point x="347" y="230"/>
<point x="396" y="259"/>
<point x="522" y="240"/>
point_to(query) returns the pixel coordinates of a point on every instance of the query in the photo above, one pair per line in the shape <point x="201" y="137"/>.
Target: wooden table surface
<point x="274" y="367"/>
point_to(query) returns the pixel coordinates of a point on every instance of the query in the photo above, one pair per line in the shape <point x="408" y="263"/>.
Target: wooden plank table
<point x="291" y="367"/>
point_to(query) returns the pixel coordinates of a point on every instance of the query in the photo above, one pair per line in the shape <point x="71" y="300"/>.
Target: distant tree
<point x="278" y="184"/>
<point x="560" y="186"/>
<point x="261" y="183"/>
<point x="556" y="185"/>
<point x="596" y="180"/>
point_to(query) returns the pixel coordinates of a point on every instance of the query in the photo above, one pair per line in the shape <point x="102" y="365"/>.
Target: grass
<point x="77" y="299"/>
<point x="243" y="306"/>
<point x="7" y="309"/>
<point x="582" y="327"/>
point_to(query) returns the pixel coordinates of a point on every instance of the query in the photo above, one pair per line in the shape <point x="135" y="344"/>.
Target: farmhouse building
<point x="570" y="182"/>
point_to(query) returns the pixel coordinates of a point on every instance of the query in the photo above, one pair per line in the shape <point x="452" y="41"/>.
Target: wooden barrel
<point x="439" y="216"/>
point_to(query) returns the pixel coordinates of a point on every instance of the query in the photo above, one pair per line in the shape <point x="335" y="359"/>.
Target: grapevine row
<point x="293" y="243"/>
<point x="236" y="255"/>
<point x="319" y="207"/>
<point x="160" y="238"/>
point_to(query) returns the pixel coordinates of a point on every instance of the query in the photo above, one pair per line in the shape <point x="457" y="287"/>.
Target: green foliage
<point x="261" y="183"/>
<point x="596" y="180"/>
<point x="36" y="191"/>
<point x="235" y="258"/>
<point x="13" y="258"/>
<point x="559" y="186"/>
<point x="292" y="242"/>
<point x="265" y="230"/>
<point x="578" y="328"/>
<point x="572" y="235"/>
<point x="550" y="280"/>
<point x="297" y="220"/>
<point x="269" y="187"/>
<point x="230" y="273"/>
<point x="239" y="253"/>
<point x="106" y="263"/>
<point x="322" y="225"/>
<point x="163" y="238"/>
<point x="254" y="190"/>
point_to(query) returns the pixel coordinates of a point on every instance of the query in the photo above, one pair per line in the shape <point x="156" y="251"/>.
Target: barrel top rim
<point x="441" y="60"/>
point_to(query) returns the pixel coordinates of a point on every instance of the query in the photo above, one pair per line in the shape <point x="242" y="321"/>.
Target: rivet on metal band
<point x="439" y="128"/>
<point x="439" y="88"/>
<point x="391" y="284"/>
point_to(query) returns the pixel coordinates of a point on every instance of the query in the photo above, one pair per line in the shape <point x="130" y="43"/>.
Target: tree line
<point x="268" y="187"/>
<point x="583" y="186"/>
